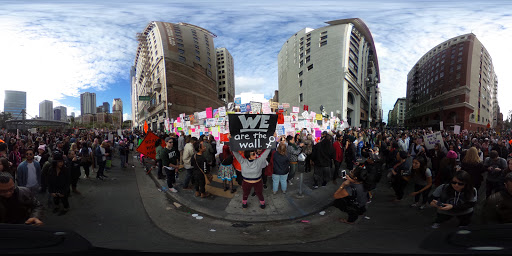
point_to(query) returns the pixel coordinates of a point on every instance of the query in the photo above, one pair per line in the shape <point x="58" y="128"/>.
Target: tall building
<point x="455" y="83"/>
<point x="14" y="102"/>
<point x="73" y="114"/>
<point x="46" y="110"/>
<point x="226" y="75"/>
<point x="174" y="72"/>
<point x="106" y="107"/>
<point x="117" y="105"/>
<point x="57" y="114"/>
<point x="88" y="103"/>
<point x="398" y="113"/>
<point x="63" y="113"/>
<point x="335" y="67"/>
<point x="99" y="109"/>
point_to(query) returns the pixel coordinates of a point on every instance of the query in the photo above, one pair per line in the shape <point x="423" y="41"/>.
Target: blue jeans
<point x="279" y="179"/>
<point x="293" y="170"/>
<point x="188" y="178"/>
<point x="123" y="161"/>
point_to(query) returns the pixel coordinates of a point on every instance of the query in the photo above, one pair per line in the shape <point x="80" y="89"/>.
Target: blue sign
<point x="238" y="100"/>
<point x="243" y="108"/>
<point x="248" y="107"/>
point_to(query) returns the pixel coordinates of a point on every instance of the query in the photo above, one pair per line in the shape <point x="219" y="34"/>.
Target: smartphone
<point x="344" y="174"/>
<point x="439" y="203"/>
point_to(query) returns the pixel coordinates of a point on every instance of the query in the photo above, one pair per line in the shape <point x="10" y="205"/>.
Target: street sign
<point x="144" y="98"/>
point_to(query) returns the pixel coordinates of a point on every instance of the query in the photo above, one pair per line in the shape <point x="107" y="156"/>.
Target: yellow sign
<point x="318" y="116"/>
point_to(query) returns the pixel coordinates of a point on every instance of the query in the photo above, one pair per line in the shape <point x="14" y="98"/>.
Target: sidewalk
<point x="279" y="207"/>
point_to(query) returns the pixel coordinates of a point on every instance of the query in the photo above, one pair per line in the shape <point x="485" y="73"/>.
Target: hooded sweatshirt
<point x="461" y="205"/>
<point x="251" y="169"/>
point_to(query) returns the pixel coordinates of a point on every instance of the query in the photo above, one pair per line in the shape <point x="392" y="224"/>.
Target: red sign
<point x="147" y="147"/>
<point x="146" y="127"/>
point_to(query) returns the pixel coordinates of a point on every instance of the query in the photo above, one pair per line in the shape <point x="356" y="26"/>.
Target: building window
<point x="459" y="66"/>
<point x="308" y="44"/>
<point x="323" y="37"/>
<point x="300" y="83"/>
<point x="300" y="97"/>
<point x="300" y="74"/>
<point x="181" y="51"/>
<point x="310" y="67"/>
<point x="323" y="33"/>
<point x="323" y="43"/>
<point x="308" y="58"/>
<point x="301" y="48"/>
<point x="301" y="63"/>
<point x="308" y="50"/>
<point x="181" y="45"/>
<point x="182" y="59"/>
<point x="197" y="52"/>
<point x="198" y="58"/>
<point x="460" y="59"/>
<point x="301" y="55"/>
<point x="197" y="46"/>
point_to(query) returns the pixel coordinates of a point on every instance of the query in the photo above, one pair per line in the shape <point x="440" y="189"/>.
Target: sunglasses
<point x="458" y="183"/>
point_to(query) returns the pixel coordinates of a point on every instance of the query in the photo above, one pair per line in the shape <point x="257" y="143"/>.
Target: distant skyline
<point x="59" y="49"/>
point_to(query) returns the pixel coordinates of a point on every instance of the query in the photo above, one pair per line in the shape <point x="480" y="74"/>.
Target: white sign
<point x="456" y="129"/>
<point x="295" y="110"/>
<point x="441" y="126"/>
<point x="305" y="114"/>
<point x="222" y="111"/>
<point x="432" y="139"/>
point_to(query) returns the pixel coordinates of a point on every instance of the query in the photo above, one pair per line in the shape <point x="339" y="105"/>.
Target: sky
<point x="55" y="50"/>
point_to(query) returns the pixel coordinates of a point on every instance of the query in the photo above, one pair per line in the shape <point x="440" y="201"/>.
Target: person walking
<point x="323" y="154"/>
<point x="188" y="153"/>
<point x="73" y="165"/>
<point x="159" y="149"/>
<point x="58" y="183"/>
<point x="181" y="146"/>
<point x="400" y="175"/>
<point x="293" y="150"/>
<point x="29" y="173"/>
<point x="338" y="148"/>
<point x="86" y="158"/>
<point x="200" y="169"/>
<point x="101" y="159"/>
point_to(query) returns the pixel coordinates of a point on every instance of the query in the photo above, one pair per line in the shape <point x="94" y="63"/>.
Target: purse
<point x="208" y="178"/>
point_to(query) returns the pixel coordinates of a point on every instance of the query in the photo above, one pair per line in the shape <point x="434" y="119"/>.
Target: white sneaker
<point x="414" y="205"/>
<point x="290" y="182"/>
<point x="436" y="225"/>
<point x="284" y="192"/>
<point x="274" y="192"/>
<point x="422" y="207"/>
<point x="315" y="187"/>
<point x="173" y="190"/>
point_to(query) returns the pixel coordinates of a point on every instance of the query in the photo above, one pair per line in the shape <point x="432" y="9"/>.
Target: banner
<point x="147" y="147"/>
<point x="251" y="131"/>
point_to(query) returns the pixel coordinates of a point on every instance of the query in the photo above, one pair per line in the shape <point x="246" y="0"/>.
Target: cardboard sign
<point x="286" y="105"/>
<point x="318" y="116"/>
<point x="209" y="113"/>
<point x="146" y="127"/>
<point x="456" y="129"/>
<point x="265" y="107"/>
<point x="147" y="147"/>
<point x="222" y="111"/>
<point x="294" y="117"/>
<point x="252" y="131"/>
<point x="280" y="130"/>
<point x="243" y="108"/>
<point x="256" y="107"/>
<point x="305" y="114"/>
<point x="238" y="100"/>
<point x="295" y="110"/>
<point x="248" y="107"/>
<point x="432" y="139"/>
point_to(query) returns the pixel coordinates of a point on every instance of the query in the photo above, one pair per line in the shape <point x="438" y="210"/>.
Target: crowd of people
<point x="49" y="165"/>
<point x="449" y="176"/>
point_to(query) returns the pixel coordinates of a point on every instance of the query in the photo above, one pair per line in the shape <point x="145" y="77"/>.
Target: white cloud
<point x="127" y="116"/>
<point x="59" y="49"/>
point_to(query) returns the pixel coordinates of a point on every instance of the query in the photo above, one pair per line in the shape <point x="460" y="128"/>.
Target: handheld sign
<point x="251" y="131"/>
<point x="147" y="147"/>
<point x="146" y="127"/>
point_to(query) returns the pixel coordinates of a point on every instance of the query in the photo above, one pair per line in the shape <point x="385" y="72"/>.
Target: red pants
<point x="258" y="189"/>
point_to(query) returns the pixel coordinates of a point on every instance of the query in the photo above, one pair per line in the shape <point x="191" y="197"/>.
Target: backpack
<point x="85" y="157"/>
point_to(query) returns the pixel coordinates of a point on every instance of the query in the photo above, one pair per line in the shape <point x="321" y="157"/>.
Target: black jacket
<point x="323" y="154"/>
<point x="281" y="164"/>
<point x="21" y="206"/>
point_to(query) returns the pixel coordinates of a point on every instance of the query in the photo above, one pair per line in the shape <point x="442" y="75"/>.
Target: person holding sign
<point x="252" y="167"/>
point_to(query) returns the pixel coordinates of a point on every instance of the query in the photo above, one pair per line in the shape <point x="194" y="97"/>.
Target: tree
<point x="4" y="116"/>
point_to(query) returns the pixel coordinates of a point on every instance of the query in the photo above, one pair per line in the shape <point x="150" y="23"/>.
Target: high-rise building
<point x="99" y="109"/>
<point x="63" y="113"/>
<point x="88" y="103"/>
<point x="117" y="105"/>
<point x="174" y="72"/>
<point x="46" y="110"/>
<point x="73" y="114"/>
<point x="57" y="114"/>
<point x="335" y="67"/>
<point x="106" y="107"/>
<point x="14" y="102"/>
<point x="455" y="83"/>
<point x="225" y="75"/>
<point x="398" y="113"/>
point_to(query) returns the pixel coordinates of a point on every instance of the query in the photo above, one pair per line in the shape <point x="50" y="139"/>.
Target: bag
<point x="108" y="164"/>
<point x="208" y="178"/>
<point x="301" y="157"/>
<point x="85" y="158"/>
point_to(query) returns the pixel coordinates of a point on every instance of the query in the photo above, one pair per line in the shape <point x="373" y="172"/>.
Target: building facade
<point x="88" y="103"/>
<point x="46" y="110"/>
<point x="174" y="72"/>
<point x="226" y="75"/>
<point x="57" y="114"/>
<point x="63" y="113"/>
<point x="14" y="103"/>
<point x="397" y="114"/>
<point x="334" y="66"/>
<point x="455" y="83"/>
<point x="117" y="105"/>
<point x="106" y="107"/>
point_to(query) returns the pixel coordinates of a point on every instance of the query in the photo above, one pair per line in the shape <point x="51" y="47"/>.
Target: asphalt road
<point x="111" y="214"/>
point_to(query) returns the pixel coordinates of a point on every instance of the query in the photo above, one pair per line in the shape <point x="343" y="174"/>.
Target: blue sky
<point x="56" y="50"/>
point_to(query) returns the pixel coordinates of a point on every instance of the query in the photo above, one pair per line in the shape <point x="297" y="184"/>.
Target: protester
<point x="58" y="184"/>
<point x="169" y="157"/>
<point x="422" y="177"/>
<point x="226" y="171"/>
<point x="200" y="169"/>
<point x="352" y="196"/>
<point x="455" y="199"/>
<point x="400" y="175"/>
<point x="29" y="173"/>
<point x="308" y="150"/>
<point x="73" y="165"/>
<point x="17" y="204"/>
<point x="323" y="154"/>
<point x="158" y="153"/>
<point x="86" y="158"/>
<point x="498" y="207"/>
<point x="101" y="159"/>
<point x="447" y="168"/>
<point x="188" y="153"/>
<point x="251" y="167"/>
<point x="181" y="145"/>
<point x="293" y="150"/>
<point x="473" y="165"/>
<point x="338" y="148"/>
<point x="281" y="168"/>
<point x="495" y="165"/>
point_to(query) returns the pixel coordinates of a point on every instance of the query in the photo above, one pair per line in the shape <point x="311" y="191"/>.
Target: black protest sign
<point x="251" y="131"/>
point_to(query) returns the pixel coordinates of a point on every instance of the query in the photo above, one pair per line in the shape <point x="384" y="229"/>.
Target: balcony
<point x="158" y="86"/>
